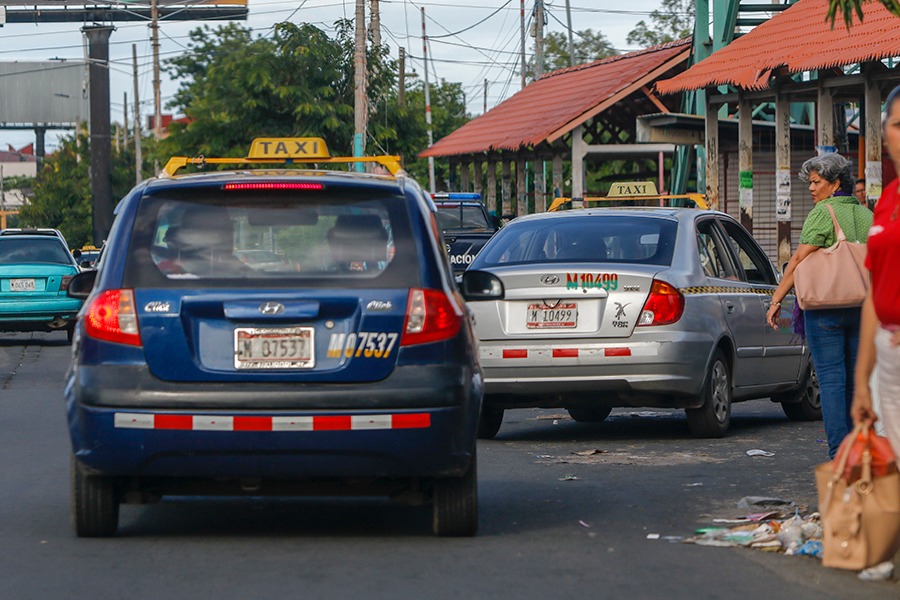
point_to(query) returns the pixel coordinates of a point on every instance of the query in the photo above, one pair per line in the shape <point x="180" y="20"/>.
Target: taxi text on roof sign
<point x="633" y="188"/>
<point x="288" y="148"/>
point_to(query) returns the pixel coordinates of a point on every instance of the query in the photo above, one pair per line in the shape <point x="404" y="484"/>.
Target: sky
<point x="469" y="41"/>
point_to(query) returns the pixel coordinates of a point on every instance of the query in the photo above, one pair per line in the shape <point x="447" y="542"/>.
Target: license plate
<point x="21" y="285"/>
<point x="544" y="316"/>
<point x="280" y="348"/>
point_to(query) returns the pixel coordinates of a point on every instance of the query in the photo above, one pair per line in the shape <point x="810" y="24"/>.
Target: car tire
<point x="455" y="503"/>
<point x="489" y="423"/>
<point x="95" y="503"/>
<point x="804" y="404"/>
<point x="711" y="420"/>
<point x="589" y="414"/>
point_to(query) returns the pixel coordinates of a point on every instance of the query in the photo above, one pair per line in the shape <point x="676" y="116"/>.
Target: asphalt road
<point x="554" y="524"/>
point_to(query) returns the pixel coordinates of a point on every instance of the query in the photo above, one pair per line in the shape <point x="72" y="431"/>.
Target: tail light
<point x="431" y="316"/>
<point x="664" y="305"/>
<point x="112" y="317"/>
<point x="64" y="283"/>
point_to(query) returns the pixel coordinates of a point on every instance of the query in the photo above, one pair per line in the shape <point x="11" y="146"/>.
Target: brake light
<point x="431" y="316"/>
<point x="273" y="185"/>
<point x="64" y="283"/>
<point x="664" y="305"/>
<point x="112" y="317"/>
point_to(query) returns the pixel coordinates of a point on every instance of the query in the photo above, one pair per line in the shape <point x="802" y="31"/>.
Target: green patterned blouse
<point x="854" y="218"/>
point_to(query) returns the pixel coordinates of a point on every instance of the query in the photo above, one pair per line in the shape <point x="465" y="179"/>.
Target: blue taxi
<point x="346" y="366"/>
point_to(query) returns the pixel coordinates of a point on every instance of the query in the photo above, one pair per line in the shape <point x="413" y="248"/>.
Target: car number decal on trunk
<point x="366" y="344"/>
<point x="606" y="281"/>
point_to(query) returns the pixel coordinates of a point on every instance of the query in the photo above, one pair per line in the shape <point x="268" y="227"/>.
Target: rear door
<point x="330" y="310"/>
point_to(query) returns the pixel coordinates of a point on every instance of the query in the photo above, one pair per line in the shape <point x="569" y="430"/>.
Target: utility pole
<point x="375" y="23"/>
<point x="154" y="36"/>
<point x="401" y="91"/>
<point x="428" y="105"/>
<point x="125" y="120"/>
<point x="522" y="38"/>
<point x="138" y="159"/>
<point x="538" y="39"/>
<point x="571" y="41"/>
<point x="485" y="95"/>
<point x="360" y="106"/>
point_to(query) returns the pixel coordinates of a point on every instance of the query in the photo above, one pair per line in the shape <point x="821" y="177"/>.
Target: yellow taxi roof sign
<point x="632" y="188"/>
<point x="288" y="148"/>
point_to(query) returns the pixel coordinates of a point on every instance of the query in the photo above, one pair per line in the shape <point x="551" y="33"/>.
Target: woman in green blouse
<point x="832" y="333"/>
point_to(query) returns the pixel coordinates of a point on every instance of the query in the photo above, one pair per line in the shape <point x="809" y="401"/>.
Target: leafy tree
<point x="62" y="190"/>
<point x="588" y="45"/>
<point x="847" y="8"/>
<point x="673" y="20"/>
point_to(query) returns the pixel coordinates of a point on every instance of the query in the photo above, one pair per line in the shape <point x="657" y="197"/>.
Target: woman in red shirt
<point x="879" y="338"/>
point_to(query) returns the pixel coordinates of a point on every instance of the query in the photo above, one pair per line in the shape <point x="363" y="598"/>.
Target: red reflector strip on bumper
<point x="617" y="352"/>
<point x="238" y="423"/>
<point x="515" y="354"/>
<point x="565" y="353"/>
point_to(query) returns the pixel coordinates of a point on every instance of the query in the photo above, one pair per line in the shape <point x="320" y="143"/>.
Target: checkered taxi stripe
<point x="265" y="423"/>
<point x="725" y="289"/>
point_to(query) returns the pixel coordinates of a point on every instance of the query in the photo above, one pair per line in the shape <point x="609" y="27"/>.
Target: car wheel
<point x="489" y="424"/>
<point x="589" y="414"/>
<point x="95" y="503"/>
<point x="805" y="404"/>
<point x="456" y="503"/>
<point x="711" y="420"/>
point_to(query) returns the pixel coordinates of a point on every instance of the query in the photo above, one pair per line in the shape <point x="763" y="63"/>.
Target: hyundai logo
<point x="271" y="308"/>
<point x="549" y="279"/>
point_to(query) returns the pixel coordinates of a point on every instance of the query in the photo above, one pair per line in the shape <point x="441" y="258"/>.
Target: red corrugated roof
<point x="543" y="108"/>
<point x="798" y="39"/>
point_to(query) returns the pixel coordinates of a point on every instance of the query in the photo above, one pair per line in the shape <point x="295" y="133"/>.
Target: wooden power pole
<point x="360" y="105"/>
<point x="138" y="159"/>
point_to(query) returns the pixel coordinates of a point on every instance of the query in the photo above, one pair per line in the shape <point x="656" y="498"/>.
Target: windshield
<point x="461" y="217"/>
<point x="14" y="250"/>
<point x="583" y="239"/>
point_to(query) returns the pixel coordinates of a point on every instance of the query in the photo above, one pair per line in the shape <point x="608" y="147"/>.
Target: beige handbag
<point x="860" y="506"/>
<point x="833" y="277"/>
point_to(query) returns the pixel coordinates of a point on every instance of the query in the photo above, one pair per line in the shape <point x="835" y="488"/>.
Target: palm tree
<point x="847" y="8"/>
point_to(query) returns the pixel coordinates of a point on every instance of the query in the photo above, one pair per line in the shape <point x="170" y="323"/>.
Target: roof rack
<point x="633" y="191"/>
<point x="283" y="151"/>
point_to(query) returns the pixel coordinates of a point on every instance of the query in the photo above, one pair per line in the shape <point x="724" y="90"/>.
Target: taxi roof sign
<point x="284" y="151"/>
<point x="288" y="148"/>
<point x="632" y="188"/>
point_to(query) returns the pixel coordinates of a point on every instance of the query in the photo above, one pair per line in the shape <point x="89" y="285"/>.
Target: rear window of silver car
<point x="239" y="239"/>
<point x="592" y="238"/>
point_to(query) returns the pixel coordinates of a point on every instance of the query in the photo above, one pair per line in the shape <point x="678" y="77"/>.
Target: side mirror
<point x="82" y="284"/>
<point x="481" y="285"/>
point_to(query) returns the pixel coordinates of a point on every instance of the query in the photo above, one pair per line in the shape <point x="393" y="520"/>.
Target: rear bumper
<point x="37" y="315"/>
<point x="234" y="436"/>
<point x="622" y="373"/>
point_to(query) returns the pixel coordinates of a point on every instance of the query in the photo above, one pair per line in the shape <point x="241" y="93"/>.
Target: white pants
<point x="888" y="388"/>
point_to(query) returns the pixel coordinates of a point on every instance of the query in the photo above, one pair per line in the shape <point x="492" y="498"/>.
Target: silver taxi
<point x="662" y="307"/>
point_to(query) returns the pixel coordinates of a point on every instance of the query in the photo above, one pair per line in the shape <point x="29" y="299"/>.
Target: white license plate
<point x="21" y="285"/>
<point x="277" y="348"/>
<point x="544" y="316"/>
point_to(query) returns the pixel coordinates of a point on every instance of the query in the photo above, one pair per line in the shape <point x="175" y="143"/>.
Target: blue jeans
<point x="833" y="338"/>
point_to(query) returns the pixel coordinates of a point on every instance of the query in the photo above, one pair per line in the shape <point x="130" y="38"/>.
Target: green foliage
<point x="848" y="8"/>
<point x="62" y="190"/>
<point x="674" y="20"/>
<point x="588" y="45"/>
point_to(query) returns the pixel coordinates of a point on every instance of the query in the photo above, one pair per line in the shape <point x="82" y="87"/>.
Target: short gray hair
<point x="831" y="167"/>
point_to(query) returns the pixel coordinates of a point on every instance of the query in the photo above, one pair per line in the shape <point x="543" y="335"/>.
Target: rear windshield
<point x="622" y="239"/>
<point x="461" y="217"/>
<point x="14" y="250"/>
<point x="276" y="238"/>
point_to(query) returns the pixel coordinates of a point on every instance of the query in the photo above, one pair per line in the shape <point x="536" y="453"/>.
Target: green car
<point x="35" y="271"/>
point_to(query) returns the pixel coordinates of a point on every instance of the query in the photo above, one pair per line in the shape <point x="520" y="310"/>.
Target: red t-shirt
<point x="883" y="255"/>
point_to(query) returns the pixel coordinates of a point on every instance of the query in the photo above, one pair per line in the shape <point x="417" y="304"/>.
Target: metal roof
<point x="559" y="101"/>
<point x="797" y="40"/>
